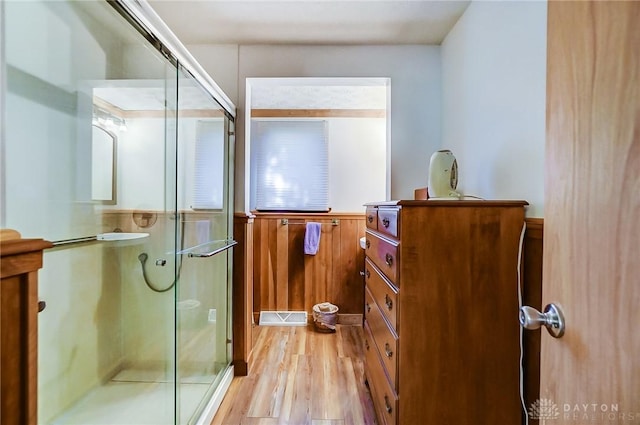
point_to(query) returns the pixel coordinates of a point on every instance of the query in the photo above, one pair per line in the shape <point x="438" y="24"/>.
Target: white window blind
<point x="292" y="165"/>
<point x="209" y="166"/>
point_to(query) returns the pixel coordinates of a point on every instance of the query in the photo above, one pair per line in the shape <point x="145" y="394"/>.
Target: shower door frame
<point x="150" y="25"/>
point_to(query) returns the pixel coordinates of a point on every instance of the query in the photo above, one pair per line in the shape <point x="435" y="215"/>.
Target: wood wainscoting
<point x="242" y="293"/>
<point x="532" y="296"/>
<point x="285" y="279"/>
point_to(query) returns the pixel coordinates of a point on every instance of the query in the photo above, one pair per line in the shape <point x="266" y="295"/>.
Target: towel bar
<point x="285" y="222"/>
<point x="229" y="244"/>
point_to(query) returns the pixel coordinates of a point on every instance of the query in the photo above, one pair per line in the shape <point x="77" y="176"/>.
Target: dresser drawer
<point x="384" y="254"/>
<point x="384" y="293"/>
<point x="384" y="397"/>
<point x="372" y="218"/>
<point x="389" y="221"/>
<point x="385" y="339"/>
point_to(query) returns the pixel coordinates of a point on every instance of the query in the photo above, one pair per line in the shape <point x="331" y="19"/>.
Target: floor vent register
<point x="283" y="318"/>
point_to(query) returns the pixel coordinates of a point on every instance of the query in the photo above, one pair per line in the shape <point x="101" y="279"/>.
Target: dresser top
<point x="449" y="203"/>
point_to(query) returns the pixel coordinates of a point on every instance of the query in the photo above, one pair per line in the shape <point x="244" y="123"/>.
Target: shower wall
<point x="139" y="166"/>
<point x="42" y="197"/>
<point x="41" y="106"/>
<point x="101" y="319"/>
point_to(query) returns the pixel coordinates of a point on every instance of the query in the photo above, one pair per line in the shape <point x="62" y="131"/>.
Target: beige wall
<point x="481" y="94"/>
<point x="415" y="95"/>
<point x="494" y="94"/>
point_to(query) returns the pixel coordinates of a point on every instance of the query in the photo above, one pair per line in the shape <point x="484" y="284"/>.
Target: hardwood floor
<point x="301" y="377"/>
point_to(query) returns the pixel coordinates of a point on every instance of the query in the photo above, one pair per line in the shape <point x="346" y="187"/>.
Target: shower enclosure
<point x="118" y="148"/>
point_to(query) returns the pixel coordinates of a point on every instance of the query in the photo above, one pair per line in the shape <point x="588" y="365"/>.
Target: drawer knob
<point x="387" y="350"/>
<point x="388" y="259"/>
<point x="41" y="306"/>
<point x="368" y="244"/>
<point x="368" y="274"/>
<point x="385" y="222"/>
<point x="387" y="406"/>
<point x="368" y="307"/>
<point x="388" y="301"/>
<point x="366" y="344"/>
<point x="370" y="218"/>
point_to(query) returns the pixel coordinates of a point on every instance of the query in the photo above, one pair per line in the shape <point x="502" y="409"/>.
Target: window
<point x="208" y="188"/>
<point x="292" y="165"/>
<point x="356" y="130"/>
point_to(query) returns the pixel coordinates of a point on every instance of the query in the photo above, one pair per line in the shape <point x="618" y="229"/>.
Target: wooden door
<point x="592" y="221"/>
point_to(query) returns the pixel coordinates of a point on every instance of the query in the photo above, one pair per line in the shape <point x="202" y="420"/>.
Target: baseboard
<point x="343" y="319"/>
<point x="350" y="319"/>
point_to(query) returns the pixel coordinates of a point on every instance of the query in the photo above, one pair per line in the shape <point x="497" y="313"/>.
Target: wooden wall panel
<point x="295" y="267"/>
<point x="262" y="274"/>
<point x="318" y="268"/>
<point x="346" y="282"/>
<point x="242" y="294"/>
<point x="287" y="279"/>
<point x="281" y="254"/>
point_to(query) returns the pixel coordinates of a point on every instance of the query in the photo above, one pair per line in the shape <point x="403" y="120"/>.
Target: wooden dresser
<point x="441" y="311"/>
<point x="19" y="306"/>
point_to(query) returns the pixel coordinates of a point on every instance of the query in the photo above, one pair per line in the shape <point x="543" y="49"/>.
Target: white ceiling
<point x="310" y="21"/>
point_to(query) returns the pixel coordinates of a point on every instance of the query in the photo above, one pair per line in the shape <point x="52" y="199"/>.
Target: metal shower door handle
<point x="552" y="319"/>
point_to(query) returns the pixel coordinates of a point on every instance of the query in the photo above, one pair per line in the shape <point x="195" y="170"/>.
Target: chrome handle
<point x="387" y="406"/>
<point x="161" y="262"/>
<point x="385" y="222"/>
<point x="552" y="319"/>
<point x="387" y="350"/>
<point x="370" y="218"/>
<point x="362" y="273"/>
<point x="388" y="259"/>
<point x="388" y="301"/>
<point x="41" y="306"/>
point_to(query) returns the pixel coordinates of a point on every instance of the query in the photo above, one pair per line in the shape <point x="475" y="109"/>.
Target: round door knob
<point x="552" y="319"/>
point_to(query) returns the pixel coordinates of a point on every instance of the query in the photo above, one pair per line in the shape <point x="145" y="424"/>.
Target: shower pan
<point x="136" y="328"/>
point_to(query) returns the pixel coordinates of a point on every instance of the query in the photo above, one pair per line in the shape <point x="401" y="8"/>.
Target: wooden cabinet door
<point x="592" y="214"/>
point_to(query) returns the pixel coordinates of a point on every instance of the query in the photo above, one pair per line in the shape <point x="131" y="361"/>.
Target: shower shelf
<point x="120" y="236"/>
<point x="209" y="249"/>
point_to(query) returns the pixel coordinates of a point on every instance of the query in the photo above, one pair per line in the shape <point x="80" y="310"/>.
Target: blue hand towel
<point x="312" y="238"/>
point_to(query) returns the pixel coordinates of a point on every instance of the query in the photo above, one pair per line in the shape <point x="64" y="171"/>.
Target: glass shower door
<point x="203" y="294"/>
<point x="106" y="137"/>
<point x="106" y="340"/>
